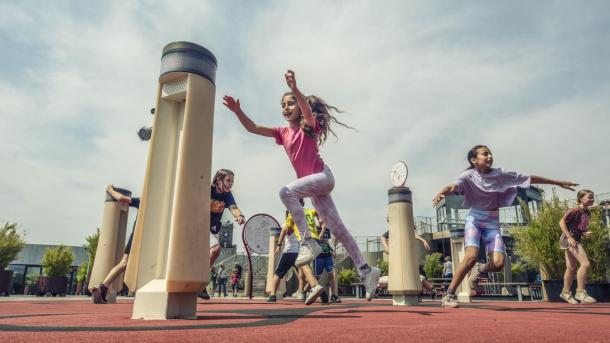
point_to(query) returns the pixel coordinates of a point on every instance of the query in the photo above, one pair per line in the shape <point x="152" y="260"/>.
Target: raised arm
<point x="423" y="241"/>
<point x="445" y="191"/>
<point x="233" y="105"/>
<point x="124" y="200"/>
<point x="545" y="181"/>
<point x="291" y="81"/>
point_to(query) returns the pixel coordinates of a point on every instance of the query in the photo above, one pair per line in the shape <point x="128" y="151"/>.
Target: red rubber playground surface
<point x="223" y="320"/>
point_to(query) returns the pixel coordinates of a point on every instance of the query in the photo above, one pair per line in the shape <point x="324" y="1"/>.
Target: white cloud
<point x="420" y="81"/>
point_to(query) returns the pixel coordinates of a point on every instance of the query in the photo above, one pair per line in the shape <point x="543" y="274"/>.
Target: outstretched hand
<point x="231" y="103"/>
<point x="567" y="185"/>
<point x="291" y="80"/>
<point x="437" y="199"/>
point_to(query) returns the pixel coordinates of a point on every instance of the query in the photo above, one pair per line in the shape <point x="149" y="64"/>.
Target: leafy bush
<point x="518" y="269"/>
<point x="384" y="266"/>
<point x="11" y="244"/>
<point x="347" y="276"/>
<point x="31" y="279"/>
<point x="81" y="275"/>
<point x="91" y="247"/>
<point x="57" y="261"/>
<point x="433" y="267"/>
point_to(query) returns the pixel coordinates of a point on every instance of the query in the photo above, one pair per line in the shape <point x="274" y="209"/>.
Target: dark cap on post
<point x="399" y="194"/>
<point x="190" y="58"/>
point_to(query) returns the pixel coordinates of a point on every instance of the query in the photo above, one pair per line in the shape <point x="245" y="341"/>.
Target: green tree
<point x="433" y="267"/>
<point x="384" y="266"/>
<point x="11" y="244"/>
<point x="57" y="261"/>
<point x="91" y="247"/>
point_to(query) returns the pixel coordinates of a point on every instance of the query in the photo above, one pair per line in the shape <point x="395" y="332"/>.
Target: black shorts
<point x="128" y="246"/>
<point x="286" y="262"/>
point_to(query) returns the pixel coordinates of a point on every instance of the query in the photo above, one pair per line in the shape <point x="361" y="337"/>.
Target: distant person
<point x="447" y="268"/>
<point x="574" y="226"/>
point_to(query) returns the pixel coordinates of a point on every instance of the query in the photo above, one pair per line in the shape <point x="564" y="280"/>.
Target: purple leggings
<point x="318" y="187"/>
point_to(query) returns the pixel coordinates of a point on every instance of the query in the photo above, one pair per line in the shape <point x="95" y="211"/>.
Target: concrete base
<point x="404" y="300"/>
<point x="464" y="297"/>
<point x="111" y="296"/>
<point x="153" y="302"/>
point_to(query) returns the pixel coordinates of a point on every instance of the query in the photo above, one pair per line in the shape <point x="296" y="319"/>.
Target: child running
<point x="309" y="122"/>
<point x="485" y="190"/>
<point x="574" y="226"/>
<point x="100" y="292"/>
<point x="221" y="198"/>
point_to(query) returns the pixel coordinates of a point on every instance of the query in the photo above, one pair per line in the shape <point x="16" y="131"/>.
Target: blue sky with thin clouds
<point x="421" y="81"/>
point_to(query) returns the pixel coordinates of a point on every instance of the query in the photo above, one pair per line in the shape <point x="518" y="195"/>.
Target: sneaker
<point x="204" y="295"/>
<point x="314" y="294"/>
<point x="271" y="299"/>
<point x="584" y="298"/>
<point x="302" y="296"/>
<point x="308" y="251"/>
<point x="449" y="300"/>
<point x="299" y="295"/>
<point x="335" y="299"/>
<point x="370" y="280"/>
<point x="99" y="294"/>
<point x="567" y="296"/>
<point x="473" y="279"/>
<point x="433" y="295"/>
<point x="324" y="297"/>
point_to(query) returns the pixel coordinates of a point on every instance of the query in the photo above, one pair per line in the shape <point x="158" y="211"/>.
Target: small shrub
<point x="433" y="268"/>
<point x="347" y="276"/>
<point x="57" y="261"/>
<point x="11" y="244"/>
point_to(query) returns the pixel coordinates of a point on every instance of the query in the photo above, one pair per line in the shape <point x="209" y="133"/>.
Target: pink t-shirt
<point x="302" y="150"/>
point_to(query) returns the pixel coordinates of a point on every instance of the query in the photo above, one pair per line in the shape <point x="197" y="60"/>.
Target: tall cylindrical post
<point x="111" y="243"/>
<point x="457" y="255"/>
<point x="403" y="278"/>
<point x="274" y="235"/>
<point x="169" y="260"/>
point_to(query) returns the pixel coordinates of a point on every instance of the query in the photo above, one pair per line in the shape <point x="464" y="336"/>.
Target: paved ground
<point x="31" y="319"/>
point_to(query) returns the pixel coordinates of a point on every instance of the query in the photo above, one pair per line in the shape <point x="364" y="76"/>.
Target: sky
<point x="422" y="82"/>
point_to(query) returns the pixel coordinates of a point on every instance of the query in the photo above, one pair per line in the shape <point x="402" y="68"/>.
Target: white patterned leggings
<point x="318" y="187"/>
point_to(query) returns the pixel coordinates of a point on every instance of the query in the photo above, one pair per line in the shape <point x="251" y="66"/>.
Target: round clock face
<point x="399" y="174"/>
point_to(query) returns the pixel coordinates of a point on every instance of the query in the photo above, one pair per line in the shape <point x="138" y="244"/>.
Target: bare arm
<point x="444" y="191"/>
<point x="384" y="241"/>
<point x="233" y="105"/>
<point x="546" y="181"/>
<point x="564" y="229"/>
<point x="423" y="241"/>
<point x="291" y="81"/>
<point x="280" y="240"/>
<point x="236" y="212"/>
<point x="124" y="200"/>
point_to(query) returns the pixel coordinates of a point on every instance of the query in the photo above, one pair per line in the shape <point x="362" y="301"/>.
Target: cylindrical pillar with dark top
<point x="111" y="244"/>
<point x="274" y="235"/>
<point x="403" y="277"/>
<point x="169" y="261"/>
<point x="458" y="252"/>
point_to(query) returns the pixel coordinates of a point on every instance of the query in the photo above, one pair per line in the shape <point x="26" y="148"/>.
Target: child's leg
<point x="470" y="258"/>
<point x="301" y="278"/>
<point x="116" y="271"/>
<point x="568" y="276"/>
<point x="327" y="210"/>
<point x="581" y="277"/>
<point x="305" y="187"/>
<point x="490" y="231"/>
<point x="308" y="274"/>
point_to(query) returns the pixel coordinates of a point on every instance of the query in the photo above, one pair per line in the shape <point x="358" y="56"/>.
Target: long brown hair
<point x="220" y="175"/>
<point x="581" y="193"/>
<point x="321" y="111"/>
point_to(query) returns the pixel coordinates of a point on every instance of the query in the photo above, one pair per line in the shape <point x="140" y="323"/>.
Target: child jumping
<point x="574" y="226"/>
<point x="485" y="190"/>
<point x="309" y="122"/>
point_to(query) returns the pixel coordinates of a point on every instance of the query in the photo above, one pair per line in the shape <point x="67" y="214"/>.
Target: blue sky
<point x="421" y="81"/>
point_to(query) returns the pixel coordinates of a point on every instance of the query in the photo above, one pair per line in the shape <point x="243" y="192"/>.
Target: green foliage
<point x="433" y="267"/>
<point x="81" y="275"/>
<point x="384" y="266"/>
<point x="347" y="276"/>
<point x="31" y="279"/>
<point x="57" y="261"/>
<point x="518" y="269"/>
<point x="91" y="246"/>
<point x="11" y="243"/>
<point x="596" y="247"/>
<point x="538" y="243"/>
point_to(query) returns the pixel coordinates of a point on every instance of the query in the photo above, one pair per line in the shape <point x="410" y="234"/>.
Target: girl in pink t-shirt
<point x="309" y="121"/>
